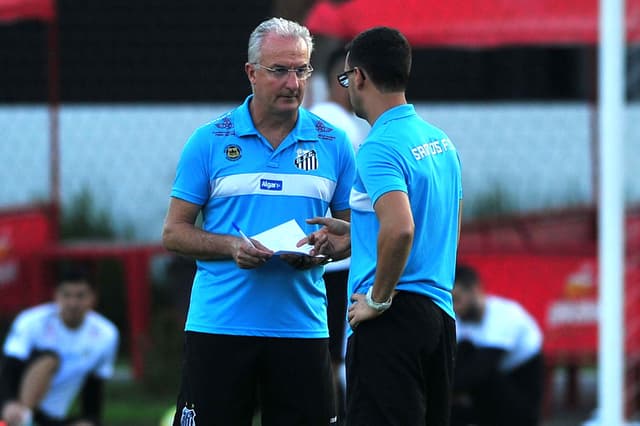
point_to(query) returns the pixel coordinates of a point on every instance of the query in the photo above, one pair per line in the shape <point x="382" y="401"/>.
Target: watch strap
<point x="378" y="306"/>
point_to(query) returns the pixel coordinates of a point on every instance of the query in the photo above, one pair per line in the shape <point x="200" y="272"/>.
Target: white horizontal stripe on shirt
<point x="291" y="185"/>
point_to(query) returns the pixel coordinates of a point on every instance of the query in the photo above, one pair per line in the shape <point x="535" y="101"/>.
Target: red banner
<point x="15" y="10"/>
<point x="23" y="232"/>
<point x="471" y="23"/>
<point x="561" y="293"/>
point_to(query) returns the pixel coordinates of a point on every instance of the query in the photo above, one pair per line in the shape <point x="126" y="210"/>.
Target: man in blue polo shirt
<point x="406" y="204"/>
<point x="257" y="323"/>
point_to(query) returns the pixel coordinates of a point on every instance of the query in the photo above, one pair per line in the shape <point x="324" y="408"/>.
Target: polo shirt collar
<point x="395" y="113"/>
<point x="305" y="128"/>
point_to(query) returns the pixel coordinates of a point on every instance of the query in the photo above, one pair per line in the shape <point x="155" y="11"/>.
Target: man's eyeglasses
<point x="302" y="73"/>
<point x="343" y="78"/>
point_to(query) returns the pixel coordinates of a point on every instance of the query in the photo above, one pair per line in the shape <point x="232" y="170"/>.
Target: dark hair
<point x="73" y="272"/>
<point x="335" y="57"/>
<point x="466" y="277"/>
<point x="385" y="54"/>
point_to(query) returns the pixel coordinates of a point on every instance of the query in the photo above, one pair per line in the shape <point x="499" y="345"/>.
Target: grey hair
<point x="281" y="27"/>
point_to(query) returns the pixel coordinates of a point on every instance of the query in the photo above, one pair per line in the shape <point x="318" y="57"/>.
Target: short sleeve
<point x="106" y="366"/>
<point x="346" y="176"/>
<point x="19" y="341"/>
<point x="502" y="330"/>
<point x="192" y="181"/>
<point x="380" y="170"/>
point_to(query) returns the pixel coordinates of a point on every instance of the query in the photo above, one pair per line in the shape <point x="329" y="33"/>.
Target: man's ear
<point x="360" y="77"/>
<point x="250" y="70"/>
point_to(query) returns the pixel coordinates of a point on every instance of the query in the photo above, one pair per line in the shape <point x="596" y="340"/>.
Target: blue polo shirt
<point x="405" y="153"/>
<point x="232" y="171"/>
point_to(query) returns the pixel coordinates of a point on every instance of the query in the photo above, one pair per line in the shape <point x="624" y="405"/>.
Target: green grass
<point x="131" y="403"/>
<point x="128" y="403"/>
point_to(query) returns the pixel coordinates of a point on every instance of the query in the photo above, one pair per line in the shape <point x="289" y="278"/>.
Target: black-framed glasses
<point x="343" y="78"/>
<point x="302" y="73"/>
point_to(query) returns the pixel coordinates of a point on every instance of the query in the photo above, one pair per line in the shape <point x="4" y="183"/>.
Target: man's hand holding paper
<point x="283" y="239"/>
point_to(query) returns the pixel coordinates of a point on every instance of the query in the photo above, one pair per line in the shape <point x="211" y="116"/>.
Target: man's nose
<point x="292" y="80"/>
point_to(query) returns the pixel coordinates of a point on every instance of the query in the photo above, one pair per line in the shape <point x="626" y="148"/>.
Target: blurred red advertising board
<point x="23" y="232"/>
<point x="561" y="292"/>
<point x="471" y="23"/>
<point x="14" y="10"/>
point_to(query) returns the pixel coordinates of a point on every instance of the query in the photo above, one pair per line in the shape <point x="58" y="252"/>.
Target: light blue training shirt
<point x="232" y="171"/>
<point x="405" y="153"/>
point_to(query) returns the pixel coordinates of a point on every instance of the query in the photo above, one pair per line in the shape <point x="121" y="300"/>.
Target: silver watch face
<point x="382" y="307"/>
<point x="378" y="306"/>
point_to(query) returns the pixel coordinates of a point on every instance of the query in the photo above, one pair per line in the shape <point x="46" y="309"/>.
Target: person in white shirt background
<point x="337" y="110"/>
<point x="54" y="352"/>
<point x="499" y="364"/>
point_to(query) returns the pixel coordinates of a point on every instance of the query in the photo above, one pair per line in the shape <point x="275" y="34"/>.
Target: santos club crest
<point x="306" y="160"/>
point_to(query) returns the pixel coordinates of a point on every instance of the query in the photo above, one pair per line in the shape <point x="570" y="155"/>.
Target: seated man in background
<point x="55" y="351"/>
<point x="499" y="364"/>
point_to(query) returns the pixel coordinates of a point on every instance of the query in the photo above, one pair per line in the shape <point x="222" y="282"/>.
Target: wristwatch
<point x="378" y="306"/>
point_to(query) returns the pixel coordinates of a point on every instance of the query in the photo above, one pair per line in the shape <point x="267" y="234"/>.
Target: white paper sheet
<point x="282" y="239"/>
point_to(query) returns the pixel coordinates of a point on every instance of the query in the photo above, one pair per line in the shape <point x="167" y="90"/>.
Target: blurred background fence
<point x="134" y="79"/>
<point x="517" y="156"/>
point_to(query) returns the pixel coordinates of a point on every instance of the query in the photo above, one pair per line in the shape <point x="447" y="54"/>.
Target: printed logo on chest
<point x="271" y="184"/>
<point x="306" y="159"/>
<point x="232" y="152"/>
